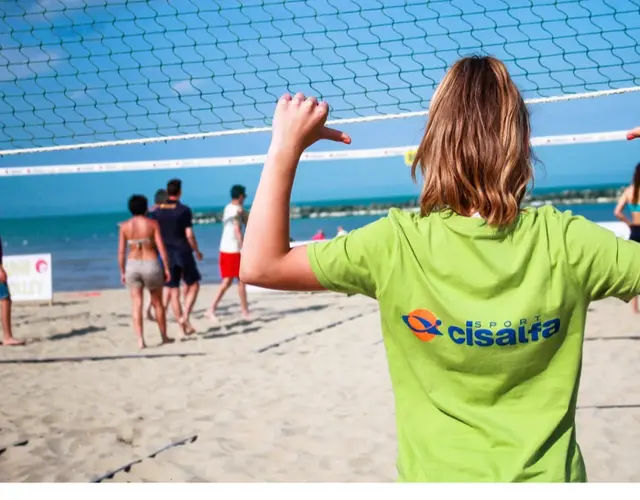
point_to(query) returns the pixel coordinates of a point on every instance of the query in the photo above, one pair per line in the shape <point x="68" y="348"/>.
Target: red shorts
<point x="229" y="265"/>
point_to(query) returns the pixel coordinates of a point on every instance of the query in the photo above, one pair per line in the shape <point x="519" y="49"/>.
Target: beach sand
<point x="302" y="393"/>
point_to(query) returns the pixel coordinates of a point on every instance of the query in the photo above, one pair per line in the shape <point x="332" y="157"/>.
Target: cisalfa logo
<point x="424" y="324"/>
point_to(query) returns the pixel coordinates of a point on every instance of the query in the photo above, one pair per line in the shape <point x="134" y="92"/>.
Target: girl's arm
<point x="122" y="248"/>
<point x="619" y="210"/>
<point x="267" y="258"/>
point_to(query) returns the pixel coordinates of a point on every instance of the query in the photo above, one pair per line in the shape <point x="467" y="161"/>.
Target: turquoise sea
<point x="84" y="248"/>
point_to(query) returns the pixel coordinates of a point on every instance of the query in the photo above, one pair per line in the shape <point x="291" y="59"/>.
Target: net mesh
<point x="77" y="71"/>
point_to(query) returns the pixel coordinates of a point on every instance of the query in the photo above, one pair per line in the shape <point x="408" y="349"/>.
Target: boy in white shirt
<point x="233" y="220"/>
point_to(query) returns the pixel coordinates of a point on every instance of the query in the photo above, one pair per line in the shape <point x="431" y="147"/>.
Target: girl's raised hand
<point x="633" y="134"/>
<point x="299" y="122"/>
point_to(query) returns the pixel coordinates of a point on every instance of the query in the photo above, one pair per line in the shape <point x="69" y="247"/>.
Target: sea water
<point x="84" y="248"/>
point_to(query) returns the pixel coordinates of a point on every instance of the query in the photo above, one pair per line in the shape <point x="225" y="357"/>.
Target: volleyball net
<point x="92" y="73"/>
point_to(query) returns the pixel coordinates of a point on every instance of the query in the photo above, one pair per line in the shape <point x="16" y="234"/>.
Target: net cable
<point x="239" y="161"/>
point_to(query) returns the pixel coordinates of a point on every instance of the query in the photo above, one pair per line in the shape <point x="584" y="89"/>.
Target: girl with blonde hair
<point x="482" y="303"/>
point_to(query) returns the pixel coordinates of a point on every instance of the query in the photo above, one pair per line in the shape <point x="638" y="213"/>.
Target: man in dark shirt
<point x="176" y="228"/>
<point x="5" y="307"/>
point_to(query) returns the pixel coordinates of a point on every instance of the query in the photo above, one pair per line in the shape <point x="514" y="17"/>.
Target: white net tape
<point x="342" y="154"/>
<point x="361" y="119"/>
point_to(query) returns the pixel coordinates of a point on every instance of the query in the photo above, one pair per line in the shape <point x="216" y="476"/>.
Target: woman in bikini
<point x="630" y="199"/>
<point x="141" y="268"/>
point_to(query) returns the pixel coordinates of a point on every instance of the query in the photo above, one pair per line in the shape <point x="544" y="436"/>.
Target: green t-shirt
<point x="483" y="331"/>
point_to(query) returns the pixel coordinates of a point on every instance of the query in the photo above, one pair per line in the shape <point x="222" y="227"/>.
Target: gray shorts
<point x="144" y="273"/>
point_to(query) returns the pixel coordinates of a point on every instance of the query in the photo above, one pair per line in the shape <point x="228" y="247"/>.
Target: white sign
<point x="29" y="277"/>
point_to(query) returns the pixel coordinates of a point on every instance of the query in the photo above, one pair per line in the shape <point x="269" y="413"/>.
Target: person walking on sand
<point x="176" y="226"/>
<point x="159" y="198"/>
<point x="630" y="199"/>
<point x="342" y="231"/>
<point x="482" y="303"/>
<point x="141" y="268"/>
<point x="5" y="308"/>
<point x="319" y="235"/>
<point x="233" y="220"/>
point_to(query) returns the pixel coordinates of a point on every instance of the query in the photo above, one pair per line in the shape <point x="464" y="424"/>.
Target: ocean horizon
<point x="84" y="247"/>
<point x="327" y="203"/>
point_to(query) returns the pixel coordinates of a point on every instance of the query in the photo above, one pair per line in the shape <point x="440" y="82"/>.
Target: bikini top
<point x="139" y="242"/>
<point x="634" y="207"/>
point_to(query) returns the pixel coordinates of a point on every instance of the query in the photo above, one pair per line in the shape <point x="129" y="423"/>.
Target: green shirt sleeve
<point x="359" y="262"/>
<point x="604" y="265"/>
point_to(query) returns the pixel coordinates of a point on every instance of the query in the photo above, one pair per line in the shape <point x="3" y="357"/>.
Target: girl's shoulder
<point x="403" y="214"/>
<point x="142" y="224"/>
<point x="125" y="228"/>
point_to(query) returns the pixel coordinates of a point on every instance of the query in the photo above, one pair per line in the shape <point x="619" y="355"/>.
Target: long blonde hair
<point x="476" y="154"/>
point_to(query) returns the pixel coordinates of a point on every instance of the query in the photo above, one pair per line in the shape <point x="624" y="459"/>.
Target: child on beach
<point x="483" y="304"/>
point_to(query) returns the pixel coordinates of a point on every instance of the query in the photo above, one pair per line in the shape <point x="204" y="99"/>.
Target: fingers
<point x="323" y="107"/>
<point x="316" y="113"/>
<point x="332" y="134"/>
<point x="633" y="133"/>
<point x="284" y="100"/>
<point x="311" y="102"/>
<point x="300" y="98"/>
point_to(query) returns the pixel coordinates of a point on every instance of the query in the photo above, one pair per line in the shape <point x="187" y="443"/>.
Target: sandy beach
<point x="301" y="393"/>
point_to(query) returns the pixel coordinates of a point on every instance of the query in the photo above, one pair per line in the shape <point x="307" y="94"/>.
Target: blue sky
<point x="76" y="71"/>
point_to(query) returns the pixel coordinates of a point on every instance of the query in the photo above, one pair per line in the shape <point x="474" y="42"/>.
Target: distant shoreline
<point x="565" y="197"/>
<point x="211" y="214"/>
